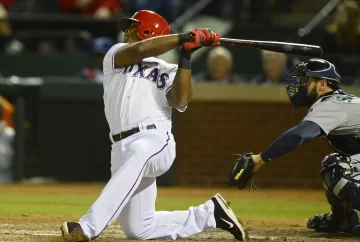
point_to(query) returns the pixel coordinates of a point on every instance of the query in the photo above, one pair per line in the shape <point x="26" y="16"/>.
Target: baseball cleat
<point x="322" y="223"/>
<point x="73" y="232"/>
<point x="325" y="223"/>
<point x="226" y="219"/>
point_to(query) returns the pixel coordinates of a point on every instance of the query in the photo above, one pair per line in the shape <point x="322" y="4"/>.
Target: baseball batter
<point x="334" y="115"/>
<point x="140" y="91"/>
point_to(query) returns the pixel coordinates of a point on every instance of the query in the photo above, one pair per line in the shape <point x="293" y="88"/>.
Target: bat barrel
<point x="282" y="47"/>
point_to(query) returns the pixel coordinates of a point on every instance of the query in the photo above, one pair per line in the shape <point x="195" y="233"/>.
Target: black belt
<point x="129" y="132"/>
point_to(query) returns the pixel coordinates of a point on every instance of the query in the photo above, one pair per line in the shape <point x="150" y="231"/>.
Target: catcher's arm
<point x="248" y="163"/>
<point x="290" y="140"/>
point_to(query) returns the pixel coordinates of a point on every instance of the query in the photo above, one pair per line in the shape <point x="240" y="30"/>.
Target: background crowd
<point x="88" y="28"/>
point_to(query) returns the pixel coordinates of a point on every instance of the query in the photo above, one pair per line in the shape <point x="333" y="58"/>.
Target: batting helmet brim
<point x="124" y="23"/>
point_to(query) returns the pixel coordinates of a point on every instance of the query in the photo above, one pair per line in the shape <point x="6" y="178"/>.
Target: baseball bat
<point x="283" y="47"/>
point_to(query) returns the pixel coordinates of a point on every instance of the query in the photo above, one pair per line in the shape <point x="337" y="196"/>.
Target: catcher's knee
<point x="341" y="178"/>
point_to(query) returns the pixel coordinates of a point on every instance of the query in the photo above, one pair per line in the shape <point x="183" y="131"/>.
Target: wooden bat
<point x="283" y="47"/>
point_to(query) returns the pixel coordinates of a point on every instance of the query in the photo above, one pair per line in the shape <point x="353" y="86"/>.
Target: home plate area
<point x="48" y="231"/>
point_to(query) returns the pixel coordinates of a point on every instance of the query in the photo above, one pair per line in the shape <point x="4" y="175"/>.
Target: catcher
<point x="334" y="115"/>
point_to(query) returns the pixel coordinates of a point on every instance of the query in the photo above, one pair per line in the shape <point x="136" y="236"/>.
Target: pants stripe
<point x="134" y="184"/>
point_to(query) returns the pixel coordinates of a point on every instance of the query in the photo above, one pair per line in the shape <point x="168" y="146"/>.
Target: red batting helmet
<point x="151" y="24"/>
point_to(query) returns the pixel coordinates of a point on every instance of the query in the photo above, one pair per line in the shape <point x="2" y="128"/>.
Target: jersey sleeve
<point x="327" y="115"/>
<point x="108" y="62"/>
<point x="169" y="83"/>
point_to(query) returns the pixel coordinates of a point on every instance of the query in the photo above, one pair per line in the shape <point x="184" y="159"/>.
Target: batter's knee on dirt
<point x="136" y="231"/>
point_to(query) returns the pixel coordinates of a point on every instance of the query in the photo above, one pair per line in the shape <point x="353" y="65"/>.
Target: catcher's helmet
<point x="151" y="24"/>
<point x="302" y="72"/>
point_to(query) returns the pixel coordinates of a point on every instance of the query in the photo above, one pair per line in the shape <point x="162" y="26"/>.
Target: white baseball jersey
<point x="135" y="96"/>
<point x="136" y="93"/>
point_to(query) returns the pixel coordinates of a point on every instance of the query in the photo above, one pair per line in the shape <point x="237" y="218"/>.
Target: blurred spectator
<point x="16" y="6"/>
<point x="341" y="41"/>
<point x="100" y="47"/>
<point x="98" y="8"/>
<point x="7" y="42"/>
<point x="343" y="33"/>
<point x="7" y="134"/>
<point x="5" y="28"/>
<point x="6" y="112"/>
<point x="219" y="68"/>
<point x="274" y="67"/>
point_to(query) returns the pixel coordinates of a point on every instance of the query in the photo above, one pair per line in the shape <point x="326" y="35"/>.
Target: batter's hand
<point x="191" y="46"/>
<point x="212" y="38"/>
<point x="205" y="37"/>
<point x="201" y="37"/>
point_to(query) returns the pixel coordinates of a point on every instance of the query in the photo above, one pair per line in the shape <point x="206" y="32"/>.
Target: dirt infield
<point x="40" y="228"/>
<point x="46" y="228"/>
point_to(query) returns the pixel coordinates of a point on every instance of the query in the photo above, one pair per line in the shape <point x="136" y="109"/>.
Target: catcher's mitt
<point x="242" y="171"/>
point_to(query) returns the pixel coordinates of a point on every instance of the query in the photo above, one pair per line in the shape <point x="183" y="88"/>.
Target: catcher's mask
<point x="302" y="73"/>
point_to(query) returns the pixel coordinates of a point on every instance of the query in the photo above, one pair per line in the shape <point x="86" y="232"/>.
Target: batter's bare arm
<point x="181" y="93"/>
<point x="135" y="52"/>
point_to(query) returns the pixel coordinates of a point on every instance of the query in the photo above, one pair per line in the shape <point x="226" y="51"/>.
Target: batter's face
<point x="131" y="35"/>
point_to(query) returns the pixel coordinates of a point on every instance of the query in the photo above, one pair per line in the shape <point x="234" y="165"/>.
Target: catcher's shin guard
<point x="342" y="218"/>
<point x="342" y="179"/>
<point x="342" y="184"/>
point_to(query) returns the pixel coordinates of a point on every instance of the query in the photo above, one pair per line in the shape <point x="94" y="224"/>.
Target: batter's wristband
<point x="183" y="37"/>
<point x="185" y="62"/>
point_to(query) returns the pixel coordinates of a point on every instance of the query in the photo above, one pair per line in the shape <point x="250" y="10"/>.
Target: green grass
<point x="18" y="204"/>
<point x="72" y="205"/>
<point x="270" y="209"/>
